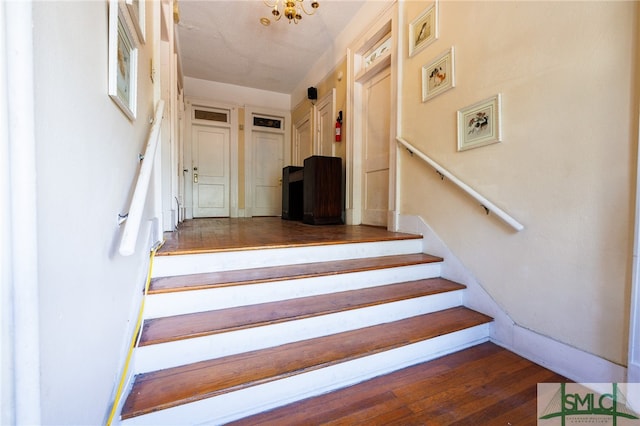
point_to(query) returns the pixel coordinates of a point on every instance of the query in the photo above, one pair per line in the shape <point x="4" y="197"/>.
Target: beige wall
<point x="566" y="168"/>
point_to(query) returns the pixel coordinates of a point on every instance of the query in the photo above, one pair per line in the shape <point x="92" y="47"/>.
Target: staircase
<point x="231" y="334"/>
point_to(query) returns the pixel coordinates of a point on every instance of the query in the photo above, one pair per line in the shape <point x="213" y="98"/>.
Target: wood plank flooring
<point x="484" y="385"/>
<point x="228" y="234"/>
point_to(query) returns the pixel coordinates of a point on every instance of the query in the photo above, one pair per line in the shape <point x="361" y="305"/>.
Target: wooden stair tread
<point x="179" y="385"/>
<point x="199" y="324"/>
<point x="275" y="273"/>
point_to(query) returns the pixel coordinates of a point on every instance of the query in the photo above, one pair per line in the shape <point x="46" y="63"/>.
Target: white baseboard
<point x="633" y="373"/>
<point x="573" y="363"/>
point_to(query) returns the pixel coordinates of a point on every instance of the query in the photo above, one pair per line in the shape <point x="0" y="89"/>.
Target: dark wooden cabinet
<point x="322" y="190"/>
<point x="292" y="193"/>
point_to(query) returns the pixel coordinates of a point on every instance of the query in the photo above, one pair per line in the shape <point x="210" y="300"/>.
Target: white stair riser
<point x="165" y="266"/>
<point x="183" y="302"/>
<point x="256" y="399"/>
<point x="172" y="354"/>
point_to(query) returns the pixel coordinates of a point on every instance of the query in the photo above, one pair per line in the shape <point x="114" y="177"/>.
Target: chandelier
<point x="291" y="9"/>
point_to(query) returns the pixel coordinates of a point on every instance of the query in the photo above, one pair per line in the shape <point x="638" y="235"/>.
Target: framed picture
<point x="438" y="75"/>
<point x="137" y="12"/>
<point x="424" y="29"/>
<point x="123" y="60"/>
<point x="479" y="124"/>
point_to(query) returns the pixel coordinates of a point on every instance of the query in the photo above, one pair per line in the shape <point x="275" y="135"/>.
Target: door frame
<point x="295" y="151"/>
<point x="249" y="164"/>
<point x="328" y="100"/>
<point x="187" y="172"/>
<point x="371" y="163"/>
<point x="357" y="75"/>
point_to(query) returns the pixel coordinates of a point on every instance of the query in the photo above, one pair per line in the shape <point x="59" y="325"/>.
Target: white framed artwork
<point x="137" y="12"/>
<point x="480" y="124"/>
<point x="123" y="60"/>
<point x="438" y="76"/>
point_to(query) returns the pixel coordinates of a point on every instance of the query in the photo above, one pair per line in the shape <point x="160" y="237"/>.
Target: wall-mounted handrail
<point x="488" y="205"/>
<point x="134" y="217"/>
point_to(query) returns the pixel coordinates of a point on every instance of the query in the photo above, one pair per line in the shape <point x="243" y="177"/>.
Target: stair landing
<point x="231" y="234"/>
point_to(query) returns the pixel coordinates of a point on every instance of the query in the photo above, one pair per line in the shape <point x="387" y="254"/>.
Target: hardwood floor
<point x="224" y="234"/>
<point x="483" y="385"/>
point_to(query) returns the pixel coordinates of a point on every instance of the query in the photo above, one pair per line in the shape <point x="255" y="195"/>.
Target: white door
<point x="376" y="134"/>
<point x="210" y="153"/>
<point x="302" y="140"/>
<point x="268" y="154"/>
<point x="325" y="124"/>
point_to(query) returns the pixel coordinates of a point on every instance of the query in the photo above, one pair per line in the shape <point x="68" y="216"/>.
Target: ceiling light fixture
<point x="291" y="9"/>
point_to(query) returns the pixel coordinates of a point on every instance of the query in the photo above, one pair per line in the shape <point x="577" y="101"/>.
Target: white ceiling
<point x="224" y="41"/>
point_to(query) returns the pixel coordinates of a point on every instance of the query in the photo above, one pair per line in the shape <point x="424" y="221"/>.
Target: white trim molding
<point x="20" y="284"/>
<point x="573" y="363"/>
<point x="633" y="373"/>
<point x="357" y="75"/>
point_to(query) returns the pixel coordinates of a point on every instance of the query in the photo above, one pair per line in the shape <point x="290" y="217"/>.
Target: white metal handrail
<point x="134" y="217"/>
<point x="488" y="205"/>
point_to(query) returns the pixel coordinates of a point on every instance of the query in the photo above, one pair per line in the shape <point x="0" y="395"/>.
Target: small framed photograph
<point x="438" y="76"/>
<point x="123" y="60"/>
<point x="480" y="124"/>
<point x="424" y="29"/>
<point x="137" y="11"/>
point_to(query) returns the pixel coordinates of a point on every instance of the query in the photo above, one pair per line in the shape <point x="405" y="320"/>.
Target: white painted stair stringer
<point x="186" y="351"/>
<point x="183" y="302"/>
<point x="235" y="405"/>
<point x="165" y="266"/>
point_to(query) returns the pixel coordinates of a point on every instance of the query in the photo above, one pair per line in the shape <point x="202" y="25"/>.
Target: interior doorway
<point x="325" y="118"/>
<point x="303" y="142"/>
<point x="210" y="180"/>
<point x="267" y="152"/>
<point x="211" y="176"/>
<point x="376" y="101"/>
<point x="268" y="148"/>
<point x="371" y="127"/>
